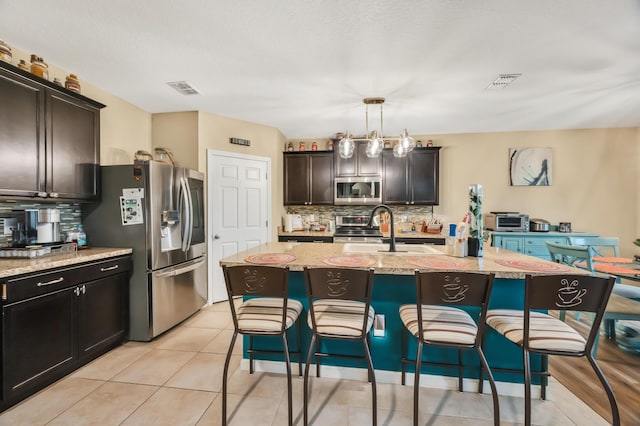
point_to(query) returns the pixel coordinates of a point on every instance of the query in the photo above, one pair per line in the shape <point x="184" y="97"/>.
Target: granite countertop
<point x="18" y="266"/>
<point x="504" y="263"/>
<point x="410" y="234"/>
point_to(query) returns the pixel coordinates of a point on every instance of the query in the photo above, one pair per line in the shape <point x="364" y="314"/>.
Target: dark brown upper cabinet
<point x="49" y="139"/>
<point x="359" y="164"/>
<point x="411" y="180"/>
<point x="308" y="178"/>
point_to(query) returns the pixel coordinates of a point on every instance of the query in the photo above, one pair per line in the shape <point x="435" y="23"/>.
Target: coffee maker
<point x="48" y="226"/>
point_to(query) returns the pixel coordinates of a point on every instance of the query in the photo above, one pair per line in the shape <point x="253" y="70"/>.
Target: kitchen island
<point x="394" y="285"/>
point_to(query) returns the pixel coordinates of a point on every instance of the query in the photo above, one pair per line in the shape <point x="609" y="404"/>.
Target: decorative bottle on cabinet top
<point x="39" y="67"/>
<point x="5" y="52"/>
<point x="72" y="83"/>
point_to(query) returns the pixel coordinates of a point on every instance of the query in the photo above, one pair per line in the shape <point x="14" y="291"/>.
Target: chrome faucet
<point x="392" y="242"/>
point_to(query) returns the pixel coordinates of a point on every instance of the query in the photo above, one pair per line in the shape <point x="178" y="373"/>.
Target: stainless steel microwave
<point x="358" y="190"/>
<point x="506" y="222"/>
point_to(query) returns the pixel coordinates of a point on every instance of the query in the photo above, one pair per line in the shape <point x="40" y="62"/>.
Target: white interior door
<point x="239" y="199"/>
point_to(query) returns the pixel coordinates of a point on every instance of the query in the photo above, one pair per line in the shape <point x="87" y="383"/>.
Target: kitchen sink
<point x="401" y="249"/>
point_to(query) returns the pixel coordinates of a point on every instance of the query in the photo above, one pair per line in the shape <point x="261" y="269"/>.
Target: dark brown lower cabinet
<point x="55" y="322"/>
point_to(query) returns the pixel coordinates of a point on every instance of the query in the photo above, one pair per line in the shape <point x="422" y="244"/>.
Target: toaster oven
<point x="509" y="222"/>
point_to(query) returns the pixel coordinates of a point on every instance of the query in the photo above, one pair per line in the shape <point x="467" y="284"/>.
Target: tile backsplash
<point x="401" y="214"/>
<point x="70" y="216"/>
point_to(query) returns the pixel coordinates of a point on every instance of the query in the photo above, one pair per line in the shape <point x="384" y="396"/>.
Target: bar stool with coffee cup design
<point x="266" y="311"/>
<point x="437" y="319"/>
<point x="339" y="308"/>
<point x="540" y="333"/>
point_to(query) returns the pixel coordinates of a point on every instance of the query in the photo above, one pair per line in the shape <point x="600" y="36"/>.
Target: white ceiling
<point x="304" y="66"/>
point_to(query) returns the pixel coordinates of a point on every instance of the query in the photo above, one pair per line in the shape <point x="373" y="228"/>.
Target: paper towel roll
<point x="288" y="223"/>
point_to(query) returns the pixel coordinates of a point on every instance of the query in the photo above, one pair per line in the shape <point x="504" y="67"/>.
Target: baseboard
<point x="395" y="377"/>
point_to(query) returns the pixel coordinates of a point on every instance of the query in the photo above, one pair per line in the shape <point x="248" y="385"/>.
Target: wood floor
<point x="621" y="369"/>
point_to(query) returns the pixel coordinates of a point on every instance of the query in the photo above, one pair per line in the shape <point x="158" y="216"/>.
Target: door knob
<point x="216" y="237"/>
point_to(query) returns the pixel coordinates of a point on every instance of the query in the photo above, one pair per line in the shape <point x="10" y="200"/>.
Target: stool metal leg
<point x="527" y="388"/>
<point x="416" y="385"/>
<point x="289" y="385"/>
<point x="305" y="395"/>
<point x="460" y="365"/>
<point x="543" y="382"/>
<point x="492" y="383"/>
<point x="374" y="393"/>
<point x="404" y="354"/>
<point x="225" y="372"/>
<point x="317" y="357"/>
<point x="615" y="414"/>
<point x="250" y="354"/>
<point x="299" y="348"/>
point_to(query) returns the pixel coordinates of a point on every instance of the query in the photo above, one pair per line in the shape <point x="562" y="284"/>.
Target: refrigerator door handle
<point x="182" y="269"/>
<point x="188" y="214"/>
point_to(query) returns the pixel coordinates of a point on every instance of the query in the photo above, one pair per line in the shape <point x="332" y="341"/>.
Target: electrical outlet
<point x="378" y="325"/>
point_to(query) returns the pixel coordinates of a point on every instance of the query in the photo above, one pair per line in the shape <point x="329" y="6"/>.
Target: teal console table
<point x="532" y="243"/>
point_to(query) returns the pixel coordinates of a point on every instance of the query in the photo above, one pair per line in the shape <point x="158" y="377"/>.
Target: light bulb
<point x="374" y="146"/>
<point x="346" y="146"/>
<point x="399" y="151"/>
<point x="407" y="142"/>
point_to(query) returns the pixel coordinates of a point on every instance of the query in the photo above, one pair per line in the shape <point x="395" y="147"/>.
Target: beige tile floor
<point x="177" y="380"/>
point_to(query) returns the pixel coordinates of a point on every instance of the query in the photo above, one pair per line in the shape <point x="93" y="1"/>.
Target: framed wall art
<point x="530" y="166"/>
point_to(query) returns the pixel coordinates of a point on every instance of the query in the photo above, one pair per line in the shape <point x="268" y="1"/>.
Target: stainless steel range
<point x="353" y="229"/>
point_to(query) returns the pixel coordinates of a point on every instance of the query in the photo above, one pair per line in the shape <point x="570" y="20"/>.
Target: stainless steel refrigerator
<point x="157" y="210"/>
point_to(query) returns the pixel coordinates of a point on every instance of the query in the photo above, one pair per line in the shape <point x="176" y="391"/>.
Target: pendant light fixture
<point x="375" y="141"/>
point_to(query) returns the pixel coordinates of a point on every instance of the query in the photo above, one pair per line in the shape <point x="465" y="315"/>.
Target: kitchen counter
<point x="410" y="234"/>
<point x="18" y="266"/>
<point x="315" y="255"/>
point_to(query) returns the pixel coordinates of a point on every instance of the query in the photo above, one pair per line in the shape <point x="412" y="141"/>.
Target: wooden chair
<point x="537" y="332"/>
<point x="570" y="255"/>
<point x="438" y="320"/>
<point x="266" y="311"/>
<point x="339" y="308"/>
<point x="603" y="246"/>
<point x="608" y="247"/>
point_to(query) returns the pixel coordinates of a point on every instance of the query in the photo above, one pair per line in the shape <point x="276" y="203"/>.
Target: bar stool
<point x="537" y="332"/>
<point x="339" y="308"/>
<point x="269" y="312"/>
<point x="438" y="320"/>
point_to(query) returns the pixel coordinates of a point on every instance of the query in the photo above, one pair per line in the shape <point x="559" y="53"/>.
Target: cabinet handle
<point x="83" y="289"/>
<point x="42" y="194"/>
<point x="53" y="194"/>
<point x="59" y="280"/>
<point x="110" y="268"/>
<point x="76" y="291"/>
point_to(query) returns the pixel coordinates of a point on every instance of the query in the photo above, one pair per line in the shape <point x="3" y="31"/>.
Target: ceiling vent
<point x="183" y="87"/>
<point x="502" y="81"/>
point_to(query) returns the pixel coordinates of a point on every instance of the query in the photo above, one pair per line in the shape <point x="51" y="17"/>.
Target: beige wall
<point x="124" y="128"/>
<point x="190" y="134"/>
<point x="214" y="133"/>
<point x="595" y="178"/>
<point x="177" y="131"/>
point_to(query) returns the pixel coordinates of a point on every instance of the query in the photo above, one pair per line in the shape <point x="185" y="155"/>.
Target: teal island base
<point x="389" y="293"/>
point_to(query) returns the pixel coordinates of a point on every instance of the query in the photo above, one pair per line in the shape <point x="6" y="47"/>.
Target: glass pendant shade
<point x="374" y="141"/>
<point x="346" y="146"/>
<point x="374" y="146"/>
<point x="399" y="151"/>
<point x="407" y="142"/>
